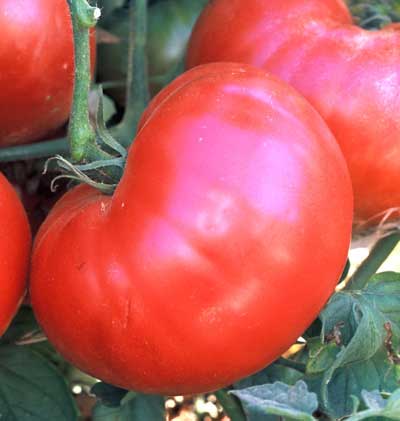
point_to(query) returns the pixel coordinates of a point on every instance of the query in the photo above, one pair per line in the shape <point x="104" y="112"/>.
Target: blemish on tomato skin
<point x="81" y="266"/>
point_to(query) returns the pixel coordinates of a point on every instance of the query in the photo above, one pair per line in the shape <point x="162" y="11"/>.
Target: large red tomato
<point x="350" y="75"/>
<point x="36" y="68"/>
<point x="15" y="243"/>
<point x="225" y="237"/>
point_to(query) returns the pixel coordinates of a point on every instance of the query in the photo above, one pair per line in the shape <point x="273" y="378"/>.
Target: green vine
<point x="137" y="84"/>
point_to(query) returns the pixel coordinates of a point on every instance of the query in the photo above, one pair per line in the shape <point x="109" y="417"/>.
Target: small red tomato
<point x="350" y="75"/>
<point x="36" y="69"/>
<point x="223" y="240"/>
<point x="15" y="244"/>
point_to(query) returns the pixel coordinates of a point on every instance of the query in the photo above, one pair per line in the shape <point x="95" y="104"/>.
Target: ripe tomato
<point x="225" y="237"/>
<point x="15" y="243"/>
<point x="36" y="69"/>
<point x="350" y="75"/>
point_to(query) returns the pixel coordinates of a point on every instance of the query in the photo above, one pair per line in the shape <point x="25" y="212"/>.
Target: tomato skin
<point x="36" y="69"/>
<point x="189" y="277"/>
<point x="351" y="76"/>
<point x="15" y="244"/>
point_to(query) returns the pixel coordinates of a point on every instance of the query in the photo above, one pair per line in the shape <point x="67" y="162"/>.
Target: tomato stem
<point x="137" y="89"/>
<point x="35" y="150"/>
<point x="101" y="158"/>
<point x="373" y="262"/>
<point x="81" y="134"/>
<point x="231" y="405"/>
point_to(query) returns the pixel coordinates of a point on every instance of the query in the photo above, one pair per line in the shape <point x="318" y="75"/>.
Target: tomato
<point x="15" y="243"/>
<point x="36" y="69"/>
<point x="350" y="75"/>
<point x="169" y="27"/>
<point x="224" y="238"/>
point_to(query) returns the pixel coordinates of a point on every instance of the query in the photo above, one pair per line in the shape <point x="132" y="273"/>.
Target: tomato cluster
<point x="231" y="224"/>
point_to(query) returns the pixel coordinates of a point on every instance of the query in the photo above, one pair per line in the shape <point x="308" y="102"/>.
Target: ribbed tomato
<point x="350" y="75"/>
<point x="224" y="238"/>
<point x="36" y="69"/>
<point x="15" y="244"/>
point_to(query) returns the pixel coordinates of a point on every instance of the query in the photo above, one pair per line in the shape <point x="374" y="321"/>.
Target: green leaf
<point x="274" y="372"/>
<point x="293" y="402"/>
<point x="134" y="407"/>
<point x="348" y="382"/>
<point x="23" y="323"/>
<point x="321" y="356"/>
<point x="379" y="407"/>
<point x="32" y="389"/>
<point x="108" y="394"/>
<point x="358" y="359"/>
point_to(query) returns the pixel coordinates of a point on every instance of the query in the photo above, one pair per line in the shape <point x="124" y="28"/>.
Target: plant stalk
<point x="35" y="150"/>
<point x="373" y="262"/>
<point x="81" y="134"/>
<point x="137" y="88"/>
<point x="231" y="406"/>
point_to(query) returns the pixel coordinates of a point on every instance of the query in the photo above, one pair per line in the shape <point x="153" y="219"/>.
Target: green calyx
<point x="104" y="160"/>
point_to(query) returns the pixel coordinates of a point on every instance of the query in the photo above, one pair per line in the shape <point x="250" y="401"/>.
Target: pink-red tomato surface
<point x="350" y="75"/>
<point x="15" y="244"/>
<point x="225" y="237"/>
<point x="36" y="69"/>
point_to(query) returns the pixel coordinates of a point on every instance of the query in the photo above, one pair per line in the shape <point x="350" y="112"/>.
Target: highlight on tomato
<point x="15" y="244"/>
<point x="225" y="237"/>
<point x="350" y="75"/>
<point x="36" y="69"/>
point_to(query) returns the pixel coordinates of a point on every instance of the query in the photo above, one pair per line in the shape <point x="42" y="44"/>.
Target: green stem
<point x="373" y="262"/>
<point x="231" y="406"/>
<point x="365" y="415"/>
<point x="137" y="87"/>
<point x="46" y="149"/>
<point x="291" y="364"/>
<point x="81" y="134"/>
<point x="35" y="150"/>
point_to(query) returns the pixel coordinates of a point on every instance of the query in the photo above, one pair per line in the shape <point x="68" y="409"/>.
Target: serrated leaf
<point x="32" y="389"/>
<point x="362" y="361"/>
<point x="379" y="407"/>
<point x="293" y="402"/>
<point x="134" y="407"/>
<point x="349" y="381"/>
<point x="108" y="394"/>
